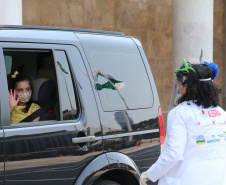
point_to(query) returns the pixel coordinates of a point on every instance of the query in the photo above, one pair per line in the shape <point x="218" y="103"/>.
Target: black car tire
<point x="106" y="182"/>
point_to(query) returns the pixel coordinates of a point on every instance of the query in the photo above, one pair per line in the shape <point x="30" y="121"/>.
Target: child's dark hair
<point x="204" y="93"/>
<point x="19" y="78"/>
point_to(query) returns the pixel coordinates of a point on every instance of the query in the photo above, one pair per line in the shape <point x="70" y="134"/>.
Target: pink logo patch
<point x="199" y="123"/>
<point x="203" y="112"/>
<point x="213" y="113"/>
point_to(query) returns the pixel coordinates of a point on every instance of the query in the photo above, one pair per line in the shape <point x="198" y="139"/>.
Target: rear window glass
<point x="118" y="71"/>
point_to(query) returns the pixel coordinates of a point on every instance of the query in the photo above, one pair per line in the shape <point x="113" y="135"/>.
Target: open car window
<point x="39" y="66"/>
<point x="49" y="72"/>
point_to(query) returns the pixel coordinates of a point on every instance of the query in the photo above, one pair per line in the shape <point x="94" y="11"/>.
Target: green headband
<point x="186" y="68"/>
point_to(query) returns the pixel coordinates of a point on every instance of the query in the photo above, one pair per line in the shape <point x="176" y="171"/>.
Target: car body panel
<point x="43" y="152"/>
<point x="40" y="152"/>
<point x="133" y="132"/>
<point x="2" y="158"/>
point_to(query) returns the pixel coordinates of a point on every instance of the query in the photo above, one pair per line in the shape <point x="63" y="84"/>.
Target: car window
<point x="39" y="66"/>
<point x="118" y="71"/>
<point x="8" y="64"/>
<point x="68" y="102"/>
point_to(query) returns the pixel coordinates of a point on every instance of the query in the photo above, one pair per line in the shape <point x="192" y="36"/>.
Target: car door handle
<point x="83" y="139"/>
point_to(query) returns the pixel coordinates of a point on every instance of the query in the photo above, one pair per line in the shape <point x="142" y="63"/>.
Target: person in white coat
<point x="194" y="152"/>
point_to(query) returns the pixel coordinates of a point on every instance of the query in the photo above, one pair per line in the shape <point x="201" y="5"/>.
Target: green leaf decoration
<point x="62" y="68"/>
<point x="186" y="68"/>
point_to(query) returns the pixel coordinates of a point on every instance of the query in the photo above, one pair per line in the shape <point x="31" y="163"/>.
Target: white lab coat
<point x="194" y="149"/>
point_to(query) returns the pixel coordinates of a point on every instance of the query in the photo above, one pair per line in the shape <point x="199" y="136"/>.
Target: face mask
<point x="178" y="90"/>
<point x="24" y="97"/>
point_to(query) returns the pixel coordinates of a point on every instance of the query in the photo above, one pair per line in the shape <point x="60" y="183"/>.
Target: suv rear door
<point x="43" y="152"/>
<point x="129" y="112"/>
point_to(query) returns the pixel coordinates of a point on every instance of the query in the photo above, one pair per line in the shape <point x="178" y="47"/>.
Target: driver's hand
<point x="144" y="178"/>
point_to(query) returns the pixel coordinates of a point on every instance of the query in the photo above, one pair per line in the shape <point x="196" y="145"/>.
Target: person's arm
<point x="175" y="145"/>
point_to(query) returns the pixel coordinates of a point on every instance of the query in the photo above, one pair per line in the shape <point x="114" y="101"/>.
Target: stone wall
<point x="149" y="20"/>
<point x="218" y="41"/>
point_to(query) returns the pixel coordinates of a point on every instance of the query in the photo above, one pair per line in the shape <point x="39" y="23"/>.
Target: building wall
<point x="149" y="20"/>
<point x="218" y="41"/>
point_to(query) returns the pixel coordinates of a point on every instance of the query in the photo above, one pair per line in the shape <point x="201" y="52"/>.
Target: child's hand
<point x="12" y="100"/>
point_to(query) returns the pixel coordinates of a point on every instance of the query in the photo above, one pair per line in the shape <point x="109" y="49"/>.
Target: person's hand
<point x="144" y="178"/>
<point x="12" y="99"/>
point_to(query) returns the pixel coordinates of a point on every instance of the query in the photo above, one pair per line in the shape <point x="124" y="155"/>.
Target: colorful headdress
<point x="215" y="69"/>
<point x="186" y="68"/>
<point x="14" y="75"/>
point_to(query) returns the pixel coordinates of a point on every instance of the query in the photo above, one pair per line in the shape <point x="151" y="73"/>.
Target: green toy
<point x="186" y="68"/>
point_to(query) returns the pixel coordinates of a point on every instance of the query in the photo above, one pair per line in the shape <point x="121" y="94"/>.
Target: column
<point x="192" y="31"/>
<point x="11" y="12"/>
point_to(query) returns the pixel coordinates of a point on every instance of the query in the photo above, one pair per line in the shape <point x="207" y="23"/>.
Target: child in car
<point x="20" y="101"/>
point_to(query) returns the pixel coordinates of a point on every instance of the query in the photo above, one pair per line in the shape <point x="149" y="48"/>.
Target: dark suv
<point x="100" y="119"/>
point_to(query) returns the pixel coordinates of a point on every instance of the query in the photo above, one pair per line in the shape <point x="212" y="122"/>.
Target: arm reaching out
<point x="176" y="141"/>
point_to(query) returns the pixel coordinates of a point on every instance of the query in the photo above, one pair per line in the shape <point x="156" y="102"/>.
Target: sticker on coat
<point x="211" y="146"/>
<point x="222" y="136"/>
<point x="211" y="139"/>
<point x="200" y="140"/>
<point x="209" y="113"/>
<point x="209" y="116"/>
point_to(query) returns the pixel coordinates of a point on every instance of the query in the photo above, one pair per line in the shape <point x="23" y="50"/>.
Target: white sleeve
<point x="175" y="145"/>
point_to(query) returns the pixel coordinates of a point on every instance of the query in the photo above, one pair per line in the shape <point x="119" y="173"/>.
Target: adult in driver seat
<point x="21" y="104"/>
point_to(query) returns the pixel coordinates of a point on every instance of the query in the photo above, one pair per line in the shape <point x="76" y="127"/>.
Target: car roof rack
<point x="58" y="28"/>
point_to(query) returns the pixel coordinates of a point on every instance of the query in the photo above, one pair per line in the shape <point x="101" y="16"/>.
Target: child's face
<point x="23" y="90"/>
